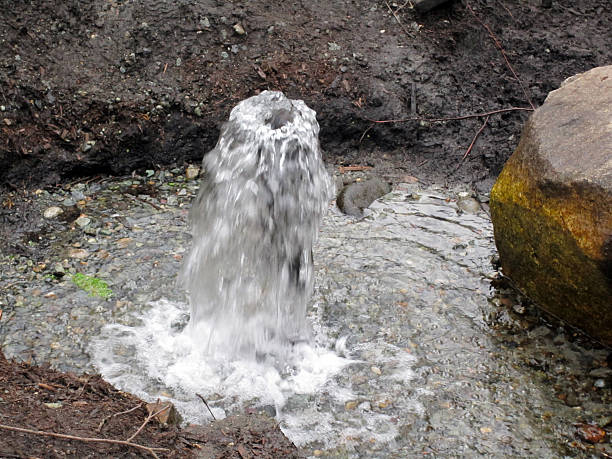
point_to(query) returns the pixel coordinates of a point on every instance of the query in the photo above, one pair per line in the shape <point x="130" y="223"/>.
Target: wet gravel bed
<point x="538" y="384"/>
<point x="125" y="234"/>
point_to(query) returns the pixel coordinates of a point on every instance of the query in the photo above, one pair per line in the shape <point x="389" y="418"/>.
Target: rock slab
<point x="552" y="205"/>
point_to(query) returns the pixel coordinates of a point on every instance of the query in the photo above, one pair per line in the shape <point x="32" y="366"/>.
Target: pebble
<point x="376" y="370"/>
<point x="239" y="29"/>
<point x="83" y="221"/>
<point x="52" y="212"/>
<point x="350" y="405"/>
<point x="468" y="205"/>
<point x="192" y="172"/>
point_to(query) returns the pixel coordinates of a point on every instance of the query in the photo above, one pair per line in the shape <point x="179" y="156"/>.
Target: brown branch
<point x="467" y="152"/>
<point x="146" y="421"/>
<point x="149" y="449"/>
<point x="455" y="118"/>
<point x="99" y="429"/>
<point x="501" y="49"/>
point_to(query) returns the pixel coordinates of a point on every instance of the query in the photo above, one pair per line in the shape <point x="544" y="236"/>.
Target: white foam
<point x="154" y="360"/>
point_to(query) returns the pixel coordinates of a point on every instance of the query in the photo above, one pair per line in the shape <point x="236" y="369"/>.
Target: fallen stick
<point x="149" y="449"/>
<point x="146" y="421"/>
<point x="343" y="169"/>
<point x="99" y="429"/>
<point x="467" y="152"/>
<point x="454" y="118"/>
<point x="209" y="410"/>
<point x="394" y="13"/>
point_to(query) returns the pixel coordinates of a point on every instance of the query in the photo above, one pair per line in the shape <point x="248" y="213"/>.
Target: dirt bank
<point x="68" y="415"/>
<point x="114" y="86"/>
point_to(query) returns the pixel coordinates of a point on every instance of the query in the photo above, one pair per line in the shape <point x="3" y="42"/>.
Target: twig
<point x="501" y="49"/>
<point x="454" y="118"/>
<point x="136" y="198"/>
<point x="398" y="19"/>
<point x="467" y="152"/>
<point x="99" y="429"/>
<point x="366" y="131"/>
<point x="146" y="421"/>
<point x="209" y="410"/>
<point x="149" y="449"/>
<point x="343" y="169"/>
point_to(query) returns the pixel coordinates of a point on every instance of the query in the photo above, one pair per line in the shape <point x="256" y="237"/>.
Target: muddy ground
<point x="111" y="87"/>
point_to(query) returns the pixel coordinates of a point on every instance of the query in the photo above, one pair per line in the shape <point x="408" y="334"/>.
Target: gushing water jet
<point x="249" y="273"/>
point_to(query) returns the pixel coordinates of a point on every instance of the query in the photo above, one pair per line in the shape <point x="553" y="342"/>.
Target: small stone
<point x="591" y="433"/>
<point x="333" y="46"/>
<point x="204" y="22"/>
<point x="78" y="253"/>
<point x="52" y="212"/>
<point x="83" y="221"/>
<point x="58" y="269"/>
<point x="383" y="404"/>
<point x="182" y="192"/>
<point x="179" y="61"/>
<point x="239" y="29"/>
<point x="224" y="55"/>
<point x="192" y="172"/>
<point x="7" y="121"/>
<point x="53" y="405"/>
<point x="123" y="242"/>
<point x="172" y="201"/>
<point x="197" y="111"/>
<point x="376" y="370"/>
<point x="468" y="205"/>
<point x="350" y="405"/>
<point x="317" y="453"/>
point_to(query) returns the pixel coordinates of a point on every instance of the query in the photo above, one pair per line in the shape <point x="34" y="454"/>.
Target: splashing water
<point x="249" y="272"/>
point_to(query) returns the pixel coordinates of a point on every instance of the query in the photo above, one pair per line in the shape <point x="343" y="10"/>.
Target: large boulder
<point x="552" y="205"/>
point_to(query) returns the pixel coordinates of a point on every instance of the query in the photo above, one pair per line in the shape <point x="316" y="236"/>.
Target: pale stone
<point x="52" y="212"/>
<point x="552" y="205"/>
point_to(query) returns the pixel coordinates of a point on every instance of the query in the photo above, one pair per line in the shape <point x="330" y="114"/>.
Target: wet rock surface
<point x="552" y="205"/>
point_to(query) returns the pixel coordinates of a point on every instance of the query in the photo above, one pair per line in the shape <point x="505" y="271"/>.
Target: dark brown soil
<point x="113" y="86"/>
<point x="77" y="72"/>
<point x="43" y="400"/>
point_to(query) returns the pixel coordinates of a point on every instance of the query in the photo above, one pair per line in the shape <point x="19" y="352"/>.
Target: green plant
<point x="92" y="285"/>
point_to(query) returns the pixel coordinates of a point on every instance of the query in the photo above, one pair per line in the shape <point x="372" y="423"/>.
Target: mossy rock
<point x="552" y="205"/>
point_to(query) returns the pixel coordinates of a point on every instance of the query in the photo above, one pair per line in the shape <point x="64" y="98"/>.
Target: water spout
<point x="265" y="189"/>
